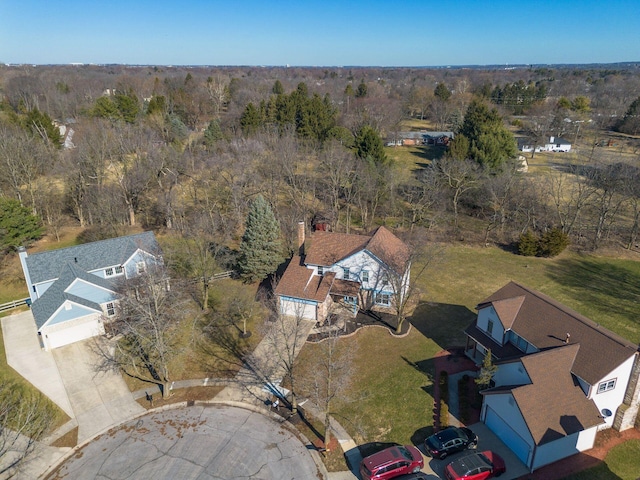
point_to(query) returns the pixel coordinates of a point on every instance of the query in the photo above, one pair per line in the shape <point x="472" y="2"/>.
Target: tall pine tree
<point x="261" y="248"/>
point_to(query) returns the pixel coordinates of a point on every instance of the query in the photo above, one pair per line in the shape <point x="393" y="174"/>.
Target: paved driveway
<point x="199" y="442"/>
<point x="29" y="360"/>
<point x="487" y="440"/>
<point x="99" y="400"/>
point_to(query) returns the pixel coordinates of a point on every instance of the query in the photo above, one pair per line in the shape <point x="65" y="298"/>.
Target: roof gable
<point x="55" y="296"/>
<point x="569" y="412"/>
<point x="298" y="281"/>
<point x="544" y="323"/>
<point x="329" y="248"/>
<point x="507" y="310"/>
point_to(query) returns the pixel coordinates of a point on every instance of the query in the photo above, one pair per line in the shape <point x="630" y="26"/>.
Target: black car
<point x="450" y="440"/>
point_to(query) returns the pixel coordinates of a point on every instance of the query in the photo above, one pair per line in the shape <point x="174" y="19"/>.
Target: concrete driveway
<point x="26" y="357"/>
<point x="203" y="441"/>
<point x="66" y="375"/>
<point x="487" y="440"/>
<point x="99" y="400"/>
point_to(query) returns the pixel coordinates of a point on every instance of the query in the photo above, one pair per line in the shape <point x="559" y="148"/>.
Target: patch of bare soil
<point x="189" y="395"/>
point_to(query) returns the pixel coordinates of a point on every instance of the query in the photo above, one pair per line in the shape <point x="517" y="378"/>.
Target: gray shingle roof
<point x="45" y="266"/>
<point x="55" y="295"/>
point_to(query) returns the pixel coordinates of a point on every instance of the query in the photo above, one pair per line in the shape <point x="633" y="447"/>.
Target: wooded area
<point x="187" y="149"/>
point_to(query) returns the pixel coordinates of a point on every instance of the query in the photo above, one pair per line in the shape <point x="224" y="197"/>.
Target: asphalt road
<point x="200" y="442"/>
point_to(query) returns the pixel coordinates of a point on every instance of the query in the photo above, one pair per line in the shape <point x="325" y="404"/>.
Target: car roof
<point x="469" y="462"/>
<point x="450" y="433"/>
<point x="384" y="456"/>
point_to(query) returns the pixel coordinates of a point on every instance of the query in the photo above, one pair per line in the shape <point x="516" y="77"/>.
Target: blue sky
<point x="319" y="33"/>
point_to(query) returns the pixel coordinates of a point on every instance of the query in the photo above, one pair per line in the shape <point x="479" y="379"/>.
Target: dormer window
<point x="490" y="327"/>
<point x="108" y="272"/>
<point x="119" y="270"/>
<point x="141" y="267"/>
<point x="320" y="270"/>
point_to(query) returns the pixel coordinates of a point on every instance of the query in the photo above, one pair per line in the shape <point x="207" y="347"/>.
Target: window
<point x="385" y="279"/>
<point x="606" y="386"/>
<point x="108" y="272"/>
<point x="350" y="299"/>
<point x="383" y="299"/>
<point x="490" y="327"/>
<point x="119" y="270"/>
<point x="365" y="276"/>
<point x="320" y="270"/>
<point x="140" y="267"/>
<point x="111" y="309"/>
<point x="345" y="273"/>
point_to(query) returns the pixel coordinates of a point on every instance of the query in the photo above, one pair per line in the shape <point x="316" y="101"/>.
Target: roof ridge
<point x="578" y="316"/>
<point x="90" y="243"/>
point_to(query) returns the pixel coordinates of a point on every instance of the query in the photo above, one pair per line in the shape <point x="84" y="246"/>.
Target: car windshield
<point x="405" y="453"/>
<point x="434" y="442"/>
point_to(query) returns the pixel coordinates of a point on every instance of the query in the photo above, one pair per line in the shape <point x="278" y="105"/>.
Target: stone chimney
<point x="301" y="238"/>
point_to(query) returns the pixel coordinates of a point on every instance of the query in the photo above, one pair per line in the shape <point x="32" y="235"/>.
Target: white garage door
<point x="70" y="332"/>
<point x="508" y="435"/>
<point x="299" y="308"/>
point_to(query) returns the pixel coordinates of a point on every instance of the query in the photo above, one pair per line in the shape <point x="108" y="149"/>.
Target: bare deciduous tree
<point x="24" y="419"/>
<point x="329" y="376"/>
<point x="146" y="328"/>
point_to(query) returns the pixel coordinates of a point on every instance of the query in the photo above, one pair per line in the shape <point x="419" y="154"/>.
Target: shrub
<point x="528" y="244"/>
<point x="444" y="414"/>
<point x="553" y="242"/>
<point x="444" y="386"/>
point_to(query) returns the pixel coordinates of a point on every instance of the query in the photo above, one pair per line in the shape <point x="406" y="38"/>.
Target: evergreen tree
<point x="490" y="143"/>
<point x="442" y="92"/>
<point x="251" y="119"/>
<point x="369" y="145"/>
<point x="17" y="224"/>
<point x="487" y="371"/>
<point x="213" y="133"/>
<point x="278" y="89"/>
<point x="630" y="123"/>
<point x="261" y="248"/>
<point x="361" y="91"/>
<point x="41" y="125"/>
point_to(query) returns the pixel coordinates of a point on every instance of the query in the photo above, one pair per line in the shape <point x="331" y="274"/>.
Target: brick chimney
<point x="301" y="238"/>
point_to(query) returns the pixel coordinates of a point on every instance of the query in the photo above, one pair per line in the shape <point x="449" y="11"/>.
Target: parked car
<point x="450" y="440"/>
<point x="415" y="476"/>
<point x="391" y="463"/>
<point x="476" y="466"/>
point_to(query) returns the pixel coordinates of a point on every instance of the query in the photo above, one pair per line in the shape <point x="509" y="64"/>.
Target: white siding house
<point x="560" y="376"/>
<point x="73" y="289"/>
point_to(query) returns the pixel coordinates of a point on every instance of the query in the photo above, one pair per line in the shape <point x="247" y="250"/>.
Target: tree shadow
<point x="606" y="286"/>
<point x="442" y="322"/>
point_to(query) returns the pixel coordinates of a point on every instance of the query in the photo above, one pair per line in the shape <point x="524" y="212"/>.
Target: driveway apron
<point x="99" y="400"/>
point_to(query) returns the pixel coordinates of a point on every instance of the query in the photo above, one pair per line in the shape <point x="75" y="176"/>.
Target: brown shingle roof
<point x="544" y="323"/>
<point x="569" y="412"/>
<point x="328" y="248"/>
<point x="298" y="281"/>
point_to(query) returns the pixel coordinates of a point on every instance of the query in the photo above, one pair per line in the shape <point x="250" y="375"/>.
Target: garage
<point x="297" y="307"/>
<point x="508" y="435"/>
<point x="64" y="333"/>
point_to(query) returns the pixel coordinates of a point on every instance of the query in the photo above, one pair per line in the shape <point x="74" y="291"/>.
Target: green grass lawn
<point x="621" y="463"/>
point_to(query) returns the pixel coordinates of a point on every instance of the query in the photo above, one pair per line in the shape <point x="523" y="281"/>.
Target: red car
<point x="391" y="462"/>
<point x="477" y="466"/>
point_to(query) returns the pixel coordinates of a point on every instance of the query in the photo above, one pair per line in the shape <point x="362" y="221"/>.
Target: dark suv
<point x="450" y="440"/>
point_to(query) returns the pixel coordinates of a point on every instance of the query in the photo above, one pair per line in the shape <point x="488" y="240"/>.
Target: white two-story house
<point x="560" y="378"/>
<point x="73" y="290"/>
<point x="359" y="271"/>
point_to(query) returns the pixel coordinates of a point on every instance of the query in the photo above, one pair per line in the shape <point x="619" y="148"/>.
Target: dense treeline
<point x="187" y="150"/>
